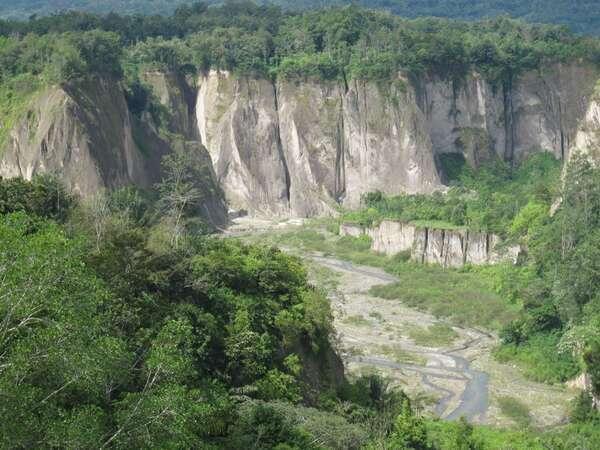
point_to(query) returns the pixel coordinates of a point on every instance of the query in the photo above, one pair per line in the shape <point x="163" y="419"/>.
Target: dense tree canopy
<point x="333" y="43"/>
<point x="580" y="16"/>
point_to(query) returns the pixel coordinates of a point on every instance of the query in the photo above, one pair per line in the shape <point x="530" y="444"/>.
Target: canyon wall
<point x="540" y="110"/>
<point x="85" y="134"/>
<point x="290" y="148"/>
<point x="448" y="248"/>
<point x="300" y="148"/>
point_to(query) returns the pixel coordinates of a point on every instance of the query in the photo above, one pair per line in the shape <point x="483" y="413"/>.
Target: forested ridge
<point x="580" y="16"/>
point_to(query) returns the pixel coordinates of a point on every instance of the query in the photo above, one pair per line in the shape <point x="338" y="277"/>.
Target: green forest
<point x="119" y="332"/>
<point x="580" y="16"/>
<point x="335" y="44"/>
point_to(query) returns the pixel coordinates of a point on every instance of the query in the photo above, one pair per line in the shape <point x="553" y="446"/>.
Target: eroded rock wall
<point x="82" y="133"/>
<point x="301" y="148"/>
<point x="448" y="248"/>
<point x="538" y="111"/>
<point x="85" y="134"/>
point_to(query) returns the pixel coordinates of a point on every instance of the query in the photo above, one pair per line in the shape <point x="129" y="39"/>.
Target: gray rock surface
<point x="302" y="148"/>
<point x="85" y="134"/>
<point x="448" y="248"/>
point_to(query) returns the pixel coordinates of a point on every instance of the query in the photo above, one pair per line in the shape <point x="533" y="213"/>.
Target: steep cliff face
<point x="587" y="139"/>
<point x="388" y="147"/>
<point x="238" y="124"/>
<point x="311" y="119"/>
<point x="82" y="133"/>
<point x="85" y="134"/>
<point x="448" y="248"/>
<point x="299" y="148"/>
<point x="539" y="110"/>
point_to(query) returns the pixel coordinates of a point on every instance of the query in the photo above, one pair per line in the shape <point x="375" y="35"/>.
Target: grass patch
<point x="448" y="435"/>
<point x="515" y="410"/>
<point x="375" y="315"/>
<point x="437" y="224"/>
<point x="16" y="95"/>
<point x="357" y="321"/>
<point x="539" y="359"/>
<point x="436" y="335"/>
<point x="465" y="298"/>
<point x="323" y="277"/>
<point x="355" y="351"/>
<point x="399" y="355"/>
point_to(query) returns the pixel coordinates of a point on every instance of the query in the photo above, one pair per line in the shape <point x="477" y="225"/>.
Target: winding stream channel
<point x="466" y="394"/>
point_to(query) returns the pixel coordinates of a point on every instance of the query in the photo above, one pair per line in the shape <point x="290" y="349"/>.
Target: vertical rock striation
<point x="448" y="248"/>
<point x="539" y="111"/>
<point x="301" y="148"/>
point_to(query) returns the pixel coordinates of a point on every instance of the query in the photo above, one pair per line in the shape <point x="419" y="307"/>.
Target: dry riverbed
<point x="447" y="370"/>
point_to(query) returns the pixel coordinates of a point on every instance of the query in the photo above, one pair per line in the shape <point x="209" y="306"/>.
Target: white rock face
<point x="448" y="248"/>
<point x="387" y="146"/>
<point x="540" y="111"/>
<point x="88" y="148"/>
<point x="239" y="125"/>
<point x="313" y="144"/>
<point x="392" y="237"/>
<point x="587" y="140"/>
<point x="301" y="148"/>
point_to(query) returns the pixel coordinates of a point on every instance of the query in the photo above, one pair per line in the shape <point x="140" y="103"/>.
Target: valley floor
<point x="447" y="370"/>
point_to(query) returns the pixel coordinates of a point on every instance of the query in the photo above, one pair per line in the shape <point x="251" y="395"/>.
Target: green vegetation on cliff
<point x="339" y="43"/>
<point x="332" y="43"/>
<point x="492" y="198"/>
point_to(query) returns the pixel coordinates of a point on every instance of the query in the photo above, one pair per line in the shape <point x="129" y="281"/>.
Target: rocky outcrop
<point x="583" y="382"/>
<point x="391" y="237"/>
<point x="448" y="248"/>
<point x="587" y="140"/>
<point x="302" y="148"/>
<point x="238" y="124"/>
<point x="85" y="134"/>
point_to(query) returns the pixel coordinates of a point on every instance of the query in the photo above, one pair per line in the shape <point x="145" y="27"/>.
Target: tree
<point x="59" y="369"/>
<point x="409" y="431"/>
<point x="179" y="193"/>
